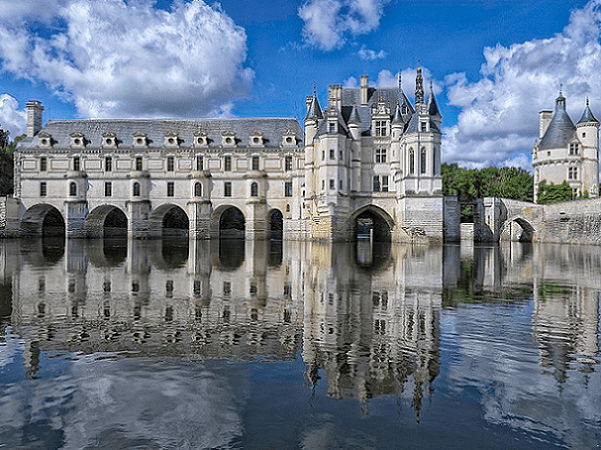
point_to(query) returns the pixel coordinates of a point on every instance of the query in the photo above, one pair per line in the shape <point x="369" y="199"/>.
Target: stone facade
<point x="567" y="152"/>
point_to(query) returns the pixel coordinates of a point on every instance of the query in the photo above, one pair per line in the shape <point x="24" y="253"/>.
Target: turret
<point x="587" y="131"/>
<point x="312" y="118"/>
<point x="354" y="124"/>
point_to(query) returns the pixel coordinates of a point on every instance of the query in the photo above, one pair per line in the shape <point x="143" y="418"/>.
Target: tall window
<point x="573" y="149"/>
<point x="411" y="161"/>
<point x="138" y="163"/>
<point x="76" y="163"/>
<point x="422" y="161"/>
<point x="227" y="163"/>
<point x="199" y="162"/>
<point x="385" y="183"/>
<point x="108" y="164"/>
<point x="136" y="189"/>
<point x="332" y="154"/>
<point x="43" y="164"/>
<point x="423" y="126"/>
<point x="572" y="173"/>
<point x="381" y="127"/>
<point x="254" y="189"/>
<point x="227" y="189"/>
<point x="380" y="155"/>
<point x="288" y="163"/>
<point x="376" y="183"/>
<point x="288" y="189"/>
<point x="198" y="189"/>
<point x="170" y="164"/>
<point x="170" y="189"/>
<point x="332" y="184"/>
<point x="43" y="189"/>
<point x="72" y="189"/>
<point x="255" y="163"/>
<point x="108" y="189"/>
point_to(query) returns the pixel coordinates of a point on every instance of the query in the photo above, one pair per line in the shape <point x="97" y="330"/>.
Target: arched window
<point x="288" y="207"/>
<point x="73" y="189"/>
<point x="411" y="161"/>
<point x="197" y="190"/>
<point x="136" y="189"/>
<point x="254" y="190"/>
<point x="422" y="161"/>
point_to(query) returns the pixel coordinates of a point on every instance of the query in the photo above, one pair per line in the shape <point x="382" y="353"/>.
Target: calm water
<point x="257" y="345"/>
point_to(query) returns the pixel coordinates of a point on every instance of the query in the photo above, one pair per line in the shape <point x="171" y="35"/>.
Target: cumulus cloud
<point x="12" y="118"/>
<point x="118" y="59"/>
<point x="498" y="121"/>
<point x="371" y="55"/>
<point x="328" y="23"/>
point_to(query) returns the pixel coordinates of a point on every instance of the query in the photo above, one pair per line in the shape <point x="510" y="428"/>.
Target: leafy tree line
<point x="6" y="161"/>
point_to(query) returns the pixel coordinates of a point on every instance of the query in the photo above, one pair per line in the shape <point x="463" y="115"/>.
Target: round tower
<point x="587" y="132"/>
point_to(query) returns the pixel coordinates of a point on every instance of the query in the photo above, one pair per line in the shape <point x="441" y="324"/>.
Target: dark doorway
<point x="369" y="225"/>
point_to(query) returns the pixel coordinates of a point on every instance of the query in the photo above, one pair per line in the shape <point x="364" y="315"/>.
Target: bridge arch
<point x="170" y="220"/>
<point x="523" y="232"/>
<point x="43" y="220"/>
<point x="227" y="221"/>
<point x="371" y="221"/>
<point x="275" y="220"/>
<point x="106" y="221"/>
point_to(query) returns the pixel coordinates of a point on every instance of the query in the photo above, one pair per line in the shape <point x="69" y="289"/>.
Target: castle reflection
<point x="365" y="317"/>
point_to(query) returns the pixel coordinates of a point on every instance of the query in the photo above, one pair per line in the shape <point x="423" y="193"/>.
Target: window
<point x="288" y="163"/>
<point x="227" y="163"/>
<point x="255" y="163"/>
<point x="170" y="188"/>
<point x="381" y="127"/>
<point x="434" y="160"/>
<point x="227" y="288"/>
<point x="138" y="163"/>
<point x="376" y="183"/>
<point x="254" y="189"/>
<point x="332" y="127"/>
<point x="170" y="164"/>
<point x="43" y="164"/>
<point x="288" y="189"/>
<point x="43" y="189"/>
<point x="72" y="189"/>
<point x="332" y="154"/>
<point x="108" y="189"/>
<point x="385" y="183"/>
<point x="197" y="190"/>
<point x="423" y="126"/>
<point x="199" y="162"/>
<point x="332" y="184"/>
<point x="380" y="155"/>
<point x="411" y="161"/>
<point x="136" y="189"/>
<point x="227" y="189"/>
<point x="323" y="184"/>
<point x="76" y="163"/>
<point x="574" y="149"/>
<point x="323" y="155"/>
<point x="422" y="161"/>
<point x="573" y="173"/>
<point x="287" y="207"/>
<point x="108" y="164"/>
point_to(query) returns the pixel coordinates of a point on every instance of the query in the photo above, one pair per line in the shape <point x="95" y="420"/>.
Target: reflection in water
<point x="157" y="344"/>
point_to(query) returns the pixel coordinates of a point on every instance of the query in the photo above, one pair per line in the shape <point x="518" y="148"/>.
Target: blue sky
<point x="494" y="64"/>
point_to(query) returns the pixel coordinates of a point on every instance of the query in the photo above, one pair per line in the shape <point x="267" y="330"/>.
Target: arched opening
<point x="136" y="189"/>
<point x="276" y="224"/>
<point x="43" y="220"/>
<point x="232" y="223"/>
<point x="115" y="224"/>
<point x="72" y="189"/>
<point x="518" y="229"/>
<point x="176" y="222"/>
<point x="371" y="226"/>
<point x="106" y="221"/>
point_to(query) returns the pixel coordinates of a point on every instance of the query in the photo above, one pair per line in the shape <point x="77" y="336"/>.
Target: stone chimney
<point x="545" y="117"/>
<point x="364" y="88"/>
<point x="335" y="96"/>
<point x="34" y="117"/>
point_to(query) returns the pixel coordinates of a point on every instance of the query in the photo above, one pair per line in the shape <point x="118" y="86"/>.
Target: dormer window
<point x="44" y="139"/>
<point x="256" y="138"/>
<point x="78" y="140"/>
<point x="331" y="128"/>
<point x="201" y="139"/>
<point x="171" y="139"/>
<point x="381" y="127"/>
<point x="289" y="138"/>
<point x="423" y="126"/>
<point x="228" y="139"/>
<point x="109" y="139"/>
<point x="140" y="139"/>
<point x="574" y="148"/>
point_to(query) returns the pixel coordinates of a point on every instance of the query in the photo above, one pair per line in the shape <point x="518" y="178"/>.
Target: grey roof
<point x="561" y="129"/>
<point x="413" y="125"/>
<point x="397" y="119"/>
<point x="314" y="111"/>
<point x="155" y="129"/>
<point x="432" y="105"/>
<point x="587" y="115"/>
<point x="354" y="117"/>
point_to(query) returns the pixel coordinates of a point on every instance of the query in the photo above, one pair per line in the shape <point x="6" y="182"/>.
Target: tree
<point x="553" y="193"/>
<point x="6" y="161"/>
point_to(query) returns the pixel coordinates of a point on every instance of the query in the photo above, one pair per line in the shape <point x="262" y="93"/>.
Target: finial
<point x="587" y="101"/>
<point x="560" y="89"/>
<point x="400" y="85"/>
<point x="314" y="90"/>
<point x="431" y="88"/>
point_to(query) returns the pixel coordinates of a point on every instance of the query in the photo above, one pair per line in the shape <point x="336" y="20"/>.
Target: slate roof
<point x="561" y="129"/>
<point x="155" y="129"/>
<point x="587" y="116"/>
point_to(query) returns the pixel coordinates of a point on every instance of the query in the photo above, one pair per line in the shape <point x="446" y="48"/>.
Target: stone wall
<point x="575" y="222"/>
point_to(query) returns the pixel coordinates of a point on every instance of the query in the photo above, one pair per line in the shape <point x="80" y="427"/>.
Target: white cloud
<point x="12" y="118"/>
<point x="386" y="78"/>
<point x="328" y="23"/>
<point x="119" y="59"/>
<point x="371" y="55"/>
<point x="498" y="121"/>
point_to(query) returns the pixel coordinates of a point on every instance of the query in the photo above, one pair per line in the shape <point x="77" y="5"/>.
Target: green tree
<point x="6" y="161"/>
<point x="553" y="193"/>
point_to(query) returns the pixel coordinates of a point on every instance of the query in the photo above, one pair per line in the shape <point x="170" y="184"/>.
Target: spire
<point x="397" y="119"/>
<point x="354" y="117"/>
<point x="587" y="115"/>
<point x="419" y="87"/>
<point x="400" y="82"/>
<point x="314" y="111"/>
<point x="560" y="101"/>
<point x="432" y="105"/>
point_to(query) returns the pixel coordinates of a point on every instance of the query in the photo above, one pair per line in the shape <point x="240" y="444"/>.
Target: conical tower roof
<point x="561" y="129"/>
<point x="314" y="111"/>
<point x="587" y="115"/>
<point x="432" y="105"/>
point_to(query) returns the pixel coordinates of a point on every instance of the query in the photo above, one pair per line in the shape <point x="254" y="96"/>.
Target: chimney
<point x="34" y="117"/>
<point x="544" y="121"/>
<point x="335" y="96"/>
<point x="364" y="88"/>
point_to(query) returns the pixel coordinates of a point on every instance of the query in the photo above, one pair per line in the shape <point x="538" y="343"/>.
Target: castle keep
<point x="367" y="164"/>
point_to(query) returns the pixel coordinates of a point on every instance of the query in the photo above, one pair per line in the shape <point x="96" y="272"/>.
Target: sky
<point x="493" y="64"/>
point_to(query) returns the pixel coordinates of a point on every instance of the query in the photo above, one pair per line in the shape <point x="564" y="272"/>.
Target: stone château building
<point x="368" y="163"/>
<point x="567" y="152"/>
